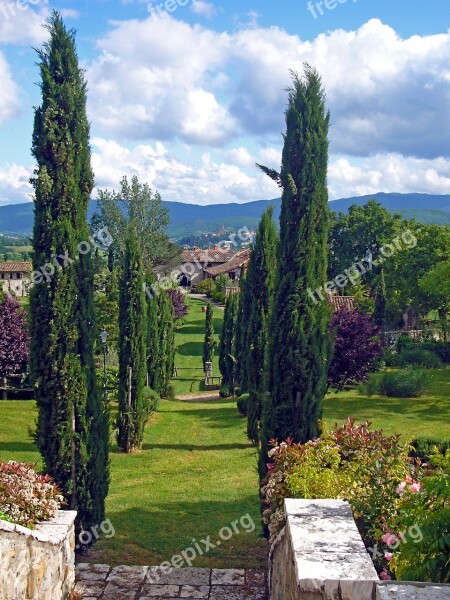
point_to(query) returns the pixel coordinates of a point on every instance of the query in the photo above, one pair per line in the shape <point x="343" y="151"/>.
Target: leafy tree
<point x="299" y="345"/>
<point x="135" y="203"/>
<point x="106" y="300"/>
<point x="437" y="285"/>
<point x="178" y="299"/>
<point x="260" y="286"/>
<point x="133" y="408"/>
<point x="210" y="343"/>
<point x="72" y="425"/>
<point x="356" y="348"/>
<point x="14" y="340"/>
<point x="379" y="315"/>
<point x="227" y="360"/>
<point x="360" y="233"/>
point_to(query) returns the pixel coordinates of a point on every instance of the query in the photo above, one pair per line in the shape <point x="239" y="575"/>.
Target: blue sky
<point x="191" y="94"/>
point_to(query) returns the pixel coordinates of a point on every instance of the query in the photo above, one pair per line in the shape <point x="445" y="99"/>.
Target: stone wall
<point x="320" y="555"/>
<point x="38" y="564"/>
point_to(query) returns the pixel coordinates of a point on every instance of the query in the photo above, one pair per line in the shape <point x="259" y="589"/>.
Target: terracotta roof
<point x="237" y="261"/>
<point x="340" y="302"/>
<point x="15" y="267"/>
<point x="215" y="255"/>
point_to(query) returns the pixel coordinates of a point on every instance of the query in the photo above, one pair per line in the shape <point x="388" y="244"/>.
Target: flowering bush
<point x="26" y="498"/>
<point x="402" y="507"/>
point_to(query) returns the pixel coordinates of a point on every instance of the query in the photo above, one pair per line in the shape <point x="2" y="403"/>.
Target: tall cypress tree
<point x="241" y="342"/>
<point x="299" y="348"/>
<point x="133" y="410"/>
<point x="209" y="343"/>
<point x="166" y="342"/>
<point x="260" y="283"/>
<point x="72" y="425"/>
<point x="227" y="359"/>
<point x="153" y="345"/>
<point x="379" y="316"/>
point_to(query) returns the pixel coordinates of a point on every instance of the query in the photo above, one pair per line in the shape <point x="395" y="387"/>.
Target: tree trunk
<point x="5" y="385"/>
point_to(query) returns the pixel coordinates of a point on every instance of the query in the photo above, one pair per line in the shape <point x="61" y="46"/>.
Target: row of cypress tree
<point x="72" y="430"/>
<point x="275" y="342"/>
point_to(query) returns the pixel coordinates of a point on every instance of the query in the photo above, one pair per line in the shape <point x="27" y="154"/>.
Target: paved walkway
<point x="102" y="582"/>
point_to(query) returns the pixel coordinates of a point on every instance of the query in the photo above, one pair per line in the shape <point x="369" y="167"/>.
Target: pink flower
<point x="385" y="575"/>
<point x="390" y="539"/>
<point x="415" y="487"/>
<point x="401" y="488"/>
<point x="408" y="479"/>
<point x="388" y="556"/>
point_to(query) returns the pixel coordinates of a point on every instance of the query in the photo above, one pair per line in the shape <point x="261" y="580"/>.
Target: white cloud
<point x="160" y="78"/>
<point x="388" y="173"/>
<point x="205" y="9"/>
<point x="22" y="23"/>
<point x="15" y="186"/>
<point x="9" y="103"/>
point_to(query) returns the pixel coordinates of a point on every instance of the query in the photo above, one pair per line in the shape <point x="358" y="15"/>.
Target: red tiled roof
<point x="15" y="267"/>
<point x="235" y="263"/>
<point x="215" y="255"/>
<point x="342" y="302"/>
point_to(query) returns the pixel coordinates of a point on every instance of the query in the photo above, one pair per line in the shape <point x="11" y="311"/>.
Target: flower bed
<point x="402" y="507"/>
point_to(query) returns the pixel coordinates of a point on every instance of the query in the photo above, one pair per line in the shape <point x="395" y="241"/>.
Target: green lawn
<point x="196" y="472"/>
<point x="428" y="416"/>
<point x="189" y="341"/>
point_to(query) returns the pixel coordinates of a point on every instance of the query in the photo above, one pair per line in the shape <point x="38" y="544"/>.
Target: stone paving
<point x="102" y="582"/>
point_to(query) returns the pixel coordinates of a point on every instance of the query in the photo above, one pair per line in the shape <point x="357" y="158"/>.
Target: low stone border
<point x="38" y="564"/>
<point x="319" y="555"/>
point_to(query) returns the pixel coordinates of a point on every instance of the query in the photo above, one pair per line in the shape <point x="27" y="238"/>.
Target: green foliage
<point x="227" y="360"/>
<point x="136" y="205"/>
<point x="425" y="555"/>
<point x="255" y="306"/>
<point x="411" y="382"/>
<point x="72" y="426"/>
<point x="221" y="283"/>
<point x="112" y="381"/>
<point x="442" y="349"/>
<point x="224" y="392"/>
<point x="206" y="286"/>
<point x="351" y="462"/>
<point x="218" y="297"/>
<point x="299" y="346"/>
<point x="210" y="343"/>
<point x="106" y="301"/>
<point x="242" y="404"/>
<point x="424" y="448"/>
<point x="405" y="342"/>
<point x="419" y="358"/>
<point x="133" y="407"/>
<point x="380" y="311"/>
<point x="151" y="399"/>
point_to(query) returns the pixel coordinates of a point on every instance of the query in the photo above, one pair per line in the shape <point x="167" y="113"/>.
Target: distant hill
<point x="17" y="219"/>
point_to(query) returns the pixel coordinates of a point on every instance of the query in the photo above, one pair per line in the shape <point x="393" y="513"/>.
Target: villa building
<point x="15" y="277"/>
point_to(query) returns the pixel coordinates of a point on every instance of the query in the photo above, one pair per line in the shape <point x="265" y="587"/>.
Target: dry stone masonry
<point x="38" y="564"/>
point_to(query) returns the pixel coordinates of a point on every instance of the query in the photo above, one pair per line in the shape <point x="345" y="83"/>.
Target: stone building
<point x="15" y="277"/>
<point x="198" y="264"/>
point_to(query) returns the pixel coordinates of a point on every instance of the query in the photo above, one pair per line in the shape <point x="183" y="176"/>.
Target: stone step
<point x="102" y="582"/>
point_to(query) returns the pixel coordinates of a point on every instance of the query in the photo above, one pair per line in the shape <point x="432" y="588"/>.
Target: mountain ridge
<point x="17" y="219"/>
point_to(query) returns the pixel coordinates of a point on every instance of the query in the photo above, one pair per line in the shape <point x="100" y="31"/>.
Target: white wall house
<point x="15" y="277"/>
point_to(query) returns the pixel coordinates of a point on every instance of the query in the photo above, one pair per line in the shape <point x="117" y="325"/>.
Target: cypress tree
<point x="240" y="350"/>
<point x="166" y="342"/>
<point x="133" y="410"/>
<point x="260" y="283"/>
<point x="153" y="347"/>
<point x="299" y="348"/>
<point x="72" y="424"/>
<point x="379" y="316"/>
<point x="209" y="344"/>
<point x="227" y="360"/>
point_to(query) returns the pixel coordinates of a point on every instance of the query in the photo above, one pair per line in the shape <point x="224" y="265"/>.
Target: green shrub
<point x="370" y="388"/>
<point x="112" y="381"/>
<point x="218" y="297"/>
<point x="152" y="400"/>
<point x="224" y="392"/>
<point x="404" y="342"/>
<point x="242" y="404"/>
<point x="424" y="448"/>
<point x="418" y="357"/>
<point x="442" y="349"/>
<point x="207" y="286"/>
<point x="411" y="382"/>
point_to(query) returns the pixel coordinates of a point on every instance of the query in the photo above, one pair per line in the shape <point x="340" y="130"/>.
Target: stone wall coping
<point x="412" y="590"/>
<point x="53" y="531"/>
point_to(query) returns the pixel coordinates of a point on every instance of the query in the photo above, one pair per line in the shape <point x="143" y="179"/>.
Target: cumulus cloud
<point x="9" y="92"/>
<point x="21" y="23"/>
<point x="388" y="173"/>
<point x="205" y="9"/>
<point x="15" y="187"/>
<point x="165" y="79"/>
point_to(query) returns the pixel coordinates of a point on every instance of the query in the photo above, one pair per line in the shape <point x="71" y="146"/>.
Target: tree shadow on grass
<point x="18" y="447"/>
<point x="214" y="418"/>
<point x="195" y="448"/>
<point x="190" y="349"/>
